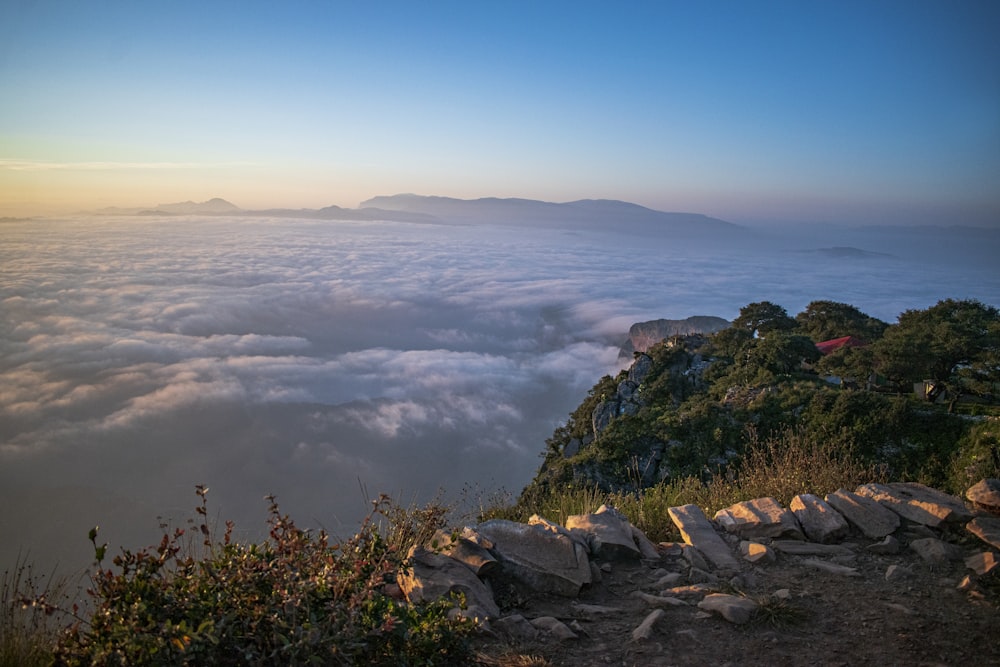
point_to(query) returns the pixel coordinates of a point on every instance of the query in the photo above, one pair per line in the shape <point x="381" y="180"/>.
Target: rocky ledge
<point x="597" y="586"/>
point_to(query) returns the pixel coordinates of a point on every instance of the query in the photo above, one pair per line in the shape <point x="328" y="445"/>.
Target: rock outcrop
<point x="643" y="335"/>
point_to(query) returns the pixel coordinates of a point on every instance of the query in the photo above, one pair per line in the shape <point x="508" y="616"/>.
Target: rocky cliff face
<point x="643" y="335"/>
<point x="676" y="375"/>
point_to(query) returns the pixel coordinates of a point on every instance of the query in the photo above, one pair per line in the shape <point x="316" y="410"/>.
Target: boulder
<point x="987" y="529"/>
<point x="918" y="503"/>
<point x="985" y="494"/>
<point x="935" y="551"/>
<point x="546" y="560"/>
<point x="872" y="519"/>
<point x="734" y="609"/>
<point x="608" y="533"/>
<point x="819" y="521"/>
<point x="432" y="576"/>
<point x="699" y="533"/>
<point x="763" y="517"/>
<point x="467" y="547"/>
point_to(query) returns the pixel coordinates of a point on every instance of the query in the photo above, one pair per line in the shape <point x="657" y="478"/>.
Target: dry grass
<point x="29" y="623"/>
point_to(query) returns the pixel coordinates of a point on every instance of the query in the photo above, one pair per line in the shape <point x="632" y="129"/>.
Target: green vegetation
<point x="719" y="417"/>
<point x="293" y="599"/>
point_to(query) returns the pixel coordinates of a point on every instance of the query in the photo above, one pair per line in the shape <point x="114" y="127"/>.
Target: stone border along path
<point x="543" y="558"/>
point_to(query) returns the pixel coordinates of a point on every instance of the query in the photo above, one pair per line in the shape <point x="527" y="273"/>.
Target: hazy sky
<point x="852" y="112"/>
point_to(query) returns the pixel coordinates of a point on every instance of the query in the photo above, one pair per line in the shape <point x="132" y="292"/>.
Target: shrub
<point x="293" y="599"/>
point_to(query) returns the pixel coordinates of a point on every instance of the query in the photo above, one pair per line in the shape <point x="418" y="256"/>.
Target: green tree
<point x="826" y="320"/>
<point x="782" y="352"/>
<point x="763" y="317"/>
<point x="956" y="343"/>
<point x="849" y="363"/>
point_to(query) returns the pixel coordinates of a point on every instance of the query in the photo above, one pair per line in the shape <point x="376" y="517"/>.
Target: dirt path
<point x="919" y="617"/>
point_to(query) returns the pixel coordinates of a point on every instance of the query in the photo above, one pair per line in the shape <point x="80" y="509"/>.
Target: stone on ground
<point x="646" y="629"/>
<point x="554" y="627"/>
<point x="935" y="551"/>
<point x="983" y="562"/>
<point x="985" y="494"/>
<point x="918" y="503"/>
<point x="799" y="548"/>
<point x="871" y="518"/>
<point x="733" y="608"/>
<point x="755" y="552"/>
<point x="887" y="547"/>
<point x="819" y="521"/>
<point x="608" y="533"/>
<point x="832" y="568"/>
<point x="699" y="532"/>
<point x="987" y="529"/>
<point x="543" y="559"/>
<point x="762" y="517"/>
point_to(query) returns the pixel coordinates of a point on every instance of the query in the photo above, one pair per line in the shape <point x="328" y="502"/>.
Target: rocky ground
<point x="917" y="617"/>
<point x="918" y="585"/>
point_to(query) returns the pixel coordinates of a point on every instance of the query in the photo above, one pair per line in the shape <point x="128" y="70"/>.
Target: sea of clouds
<point x="327" y="362"/>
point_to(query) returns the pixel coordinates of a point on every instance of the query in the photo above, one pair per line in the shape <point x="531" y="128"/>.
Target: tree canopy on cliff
<point x="702" y="396"/>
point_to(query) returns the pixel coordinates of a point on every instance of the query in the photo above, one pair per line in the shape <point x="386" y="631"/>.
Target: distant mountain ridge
<point x="585" y="214"/>
<point x="603" y="214"/>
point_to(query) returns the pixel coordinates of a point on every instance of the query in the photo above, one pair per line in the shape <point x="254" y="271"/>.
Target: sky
<point x="790" y="112"/>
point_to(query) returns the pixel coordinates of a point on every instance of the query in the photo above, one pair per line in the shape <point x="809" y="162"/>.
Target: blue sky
<point x="866" y="112"/>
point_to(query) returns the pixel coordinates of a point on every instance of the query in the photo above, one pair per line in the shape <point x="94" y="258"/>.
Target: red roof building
<point x="828" y="346"/>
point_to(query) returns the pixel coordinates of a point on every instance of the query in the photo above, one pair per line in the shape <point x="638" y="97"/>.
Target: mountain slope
<point x="590" y="214"/>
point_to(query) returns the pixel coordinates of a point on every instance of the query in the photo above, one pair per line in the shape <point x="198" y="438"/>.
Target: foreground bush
<point x="294" y="599"/>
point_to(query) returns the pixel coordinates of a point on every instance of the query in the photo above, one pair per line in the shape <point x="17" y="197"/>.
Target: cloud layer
<point x="140" y="357"/>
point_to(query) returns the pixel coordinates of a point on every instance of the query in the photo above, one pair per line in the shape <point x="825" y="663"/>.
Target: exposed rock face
<point x="626" y="400"/>
<point x="643" y="335"/>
